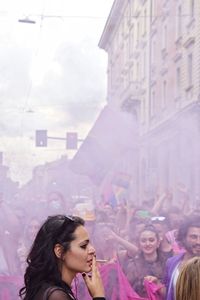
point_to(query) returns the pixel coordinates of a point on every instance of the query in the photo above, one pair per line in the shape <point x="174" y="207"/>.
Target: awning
<point x="113" y="133"/>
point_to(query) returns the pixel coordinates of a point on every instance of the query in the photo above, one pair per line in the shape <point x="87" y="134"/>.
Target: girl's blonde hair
<point x="188" y="282"/>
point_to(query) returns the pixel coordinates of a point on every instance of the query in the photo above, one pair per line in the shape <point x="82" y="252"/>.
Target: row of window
<point x="139" y="68"/>
<point x="177" y="88"/>
<point x="140" y="24"/>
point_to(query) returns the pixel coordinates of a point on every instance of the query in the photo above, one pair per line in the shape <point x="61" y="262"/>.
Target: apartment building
<point x="153" y="49"/>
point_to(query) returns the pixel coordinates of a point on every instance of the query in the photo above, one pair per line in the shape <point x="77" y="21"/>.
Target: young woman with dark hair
<point x="60" y="250"/>
<point x="149" y="262"/>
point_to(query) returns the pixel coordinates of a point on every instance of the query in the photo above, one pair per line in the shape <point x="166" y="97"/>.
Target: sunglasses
<point x="159" y="218"/>
<point x="71" y="218"/>
<point x="62" y="218"/>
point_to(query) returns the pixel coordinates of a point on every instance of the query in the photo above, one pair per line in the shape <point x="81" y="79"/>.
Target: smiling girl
<point x="149" y="263"/>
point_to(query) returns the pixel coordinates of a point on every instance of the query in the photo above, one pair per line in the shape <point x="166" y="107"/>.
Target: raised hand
<point x="94" y="282"/>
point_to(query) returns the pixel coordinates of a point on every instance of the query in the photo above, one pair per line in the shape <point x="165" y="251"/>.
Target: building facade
<point x="153" y="49"/>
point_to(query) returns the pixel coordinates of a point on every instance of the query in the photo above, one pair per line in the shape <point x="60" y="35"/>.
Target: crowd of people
<point x="152" y="245"/>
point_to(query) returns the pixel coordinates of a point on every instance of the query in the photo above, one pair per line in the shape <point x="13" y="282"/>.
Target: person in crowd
<point x="162" y="226"/>
<point x="61" y="249"/>
<point x="188" y="282"/>
<point x="26" y="240"/>
<point x="121" y="218"/>
<point x="136" y="224"/>
<point x="126" y="245"/>
<point x="175" y="216"/>
<point x="148" y="263"/>
<point x="189" y="237"/>
<point x="196" y="211"/>
<point x="55" y="203"/>
<point x="156" y="204"/>
<point x="9" y="235"/>
<point x="104" y="245"/>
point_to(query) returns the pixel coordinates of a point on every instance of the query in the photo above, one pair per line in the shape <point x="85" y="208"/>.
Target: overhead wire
<point x="3" y="13"/>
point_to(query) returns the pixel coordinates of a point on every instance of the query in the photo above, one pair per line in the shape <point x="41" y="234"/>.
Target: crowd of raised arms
<point x="147" y="250"/>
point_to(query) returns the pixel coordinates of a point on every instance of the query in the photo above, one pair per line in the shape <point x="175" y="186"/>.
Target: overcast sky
<point x="52" y="76"/>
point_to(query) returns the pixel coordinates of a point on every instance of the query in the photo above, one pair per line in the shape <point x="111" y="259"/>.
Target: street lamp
<point x="26" y="20"/>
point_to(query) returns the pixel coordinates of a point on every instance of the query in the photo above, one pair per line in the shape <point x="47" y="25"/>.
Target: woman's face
<point x="79" y="257"/>
<point x="148" y="242"/>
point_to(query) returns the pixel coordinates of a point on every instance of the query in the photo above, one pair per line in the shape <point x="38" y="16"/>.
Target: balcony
<point x="189" y="42"/>
<point x="132" y="91"/>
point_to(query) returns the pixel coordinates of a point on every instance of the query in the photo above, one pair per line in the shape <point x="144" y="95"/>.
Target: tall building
<point x="153" y="49"/>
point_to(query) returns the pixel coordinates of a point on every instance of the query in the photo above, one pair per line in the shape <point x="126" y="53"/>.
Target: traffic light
<point x="1" y="158"/>
<point x="71" y="140"/>
<point x="41" y="138"/>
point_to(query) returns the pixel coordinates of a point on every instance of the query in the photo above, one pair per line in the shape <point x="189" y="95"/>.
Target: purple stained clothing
<point x="171" y="265"/>
<point x="115" y="283"/>
<point x="153" y="290"/>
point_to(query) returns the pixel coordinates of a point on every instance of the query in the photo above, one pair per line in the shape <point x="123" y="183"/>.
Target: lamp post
<point x="26" y="20"/>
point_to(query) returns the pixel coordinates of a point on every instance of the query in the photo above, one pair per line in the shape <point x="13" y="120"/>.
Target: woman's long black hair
<point x="42" y="261"/>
